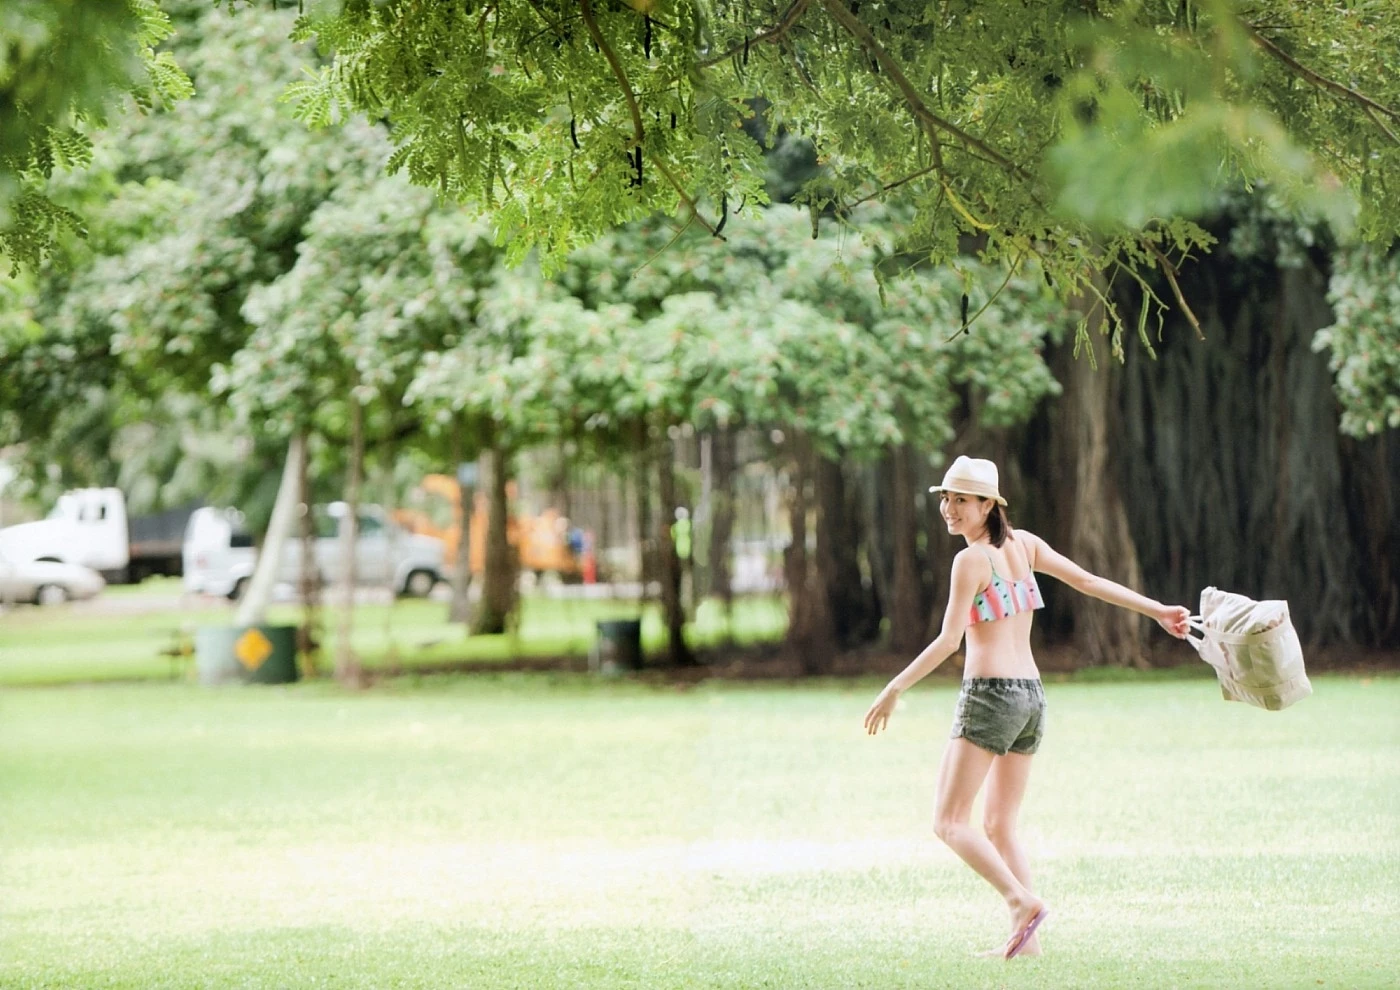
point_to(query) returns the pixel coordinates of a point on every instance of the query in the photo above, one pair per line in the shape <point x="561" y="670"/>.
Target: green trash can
<point x="619" y="646"/>
<point x="245" y="654"/>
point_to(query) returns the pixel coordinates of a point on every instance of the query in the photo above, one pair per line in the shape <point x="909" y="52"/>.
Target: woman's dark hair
<point x="998" y="525"/>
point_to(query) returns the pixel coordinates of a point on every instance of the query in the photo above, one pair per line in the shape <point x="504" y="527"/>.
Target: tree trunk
<point x="460" y="609"/>
<point x="252" y="608"/>
<point x="872" y="520"/>
<point x="721" y="583"/>
<point x="1247" y="484"/>
<point x="646" y="533"/>
<point x="347" y="664"/>
<point x="1373" y="514"/>
<point x="811" y="637"/>
<point x="498" y="593"/>
<point x="671" y="607"/>
<point x="702" y="521"/>
<point x="309" y="632"/>
<point x="853" y="607"/>
<point x="907" y="619"/>
<point x="1087" y="499"/>
<point x="795" y="556"/>
<point x="559" y="482"/>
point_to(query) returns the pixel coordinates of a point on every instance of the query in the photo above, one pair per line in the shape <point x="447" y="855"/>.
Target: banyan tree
<point x="1217" y="460"/>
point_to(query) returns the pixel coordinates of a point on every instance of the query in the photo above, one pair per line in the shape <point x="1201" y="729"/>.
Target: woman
<point x="1000" y="716"/>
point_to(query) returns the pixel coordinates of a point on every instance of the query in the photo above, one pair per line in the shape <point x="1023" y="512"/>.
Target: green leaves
<point x="1026" y="124"/>
<point x="315" y="101"/>
<point x="1365" y="340"/>
<point x="772" y="328"/>
<point x="63" y="65"/>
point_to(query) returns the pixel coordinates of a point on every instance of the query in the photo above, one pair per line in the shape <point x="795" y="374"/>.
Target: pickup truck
<point x="91" y="527"/>
<point x="219" y="555"/>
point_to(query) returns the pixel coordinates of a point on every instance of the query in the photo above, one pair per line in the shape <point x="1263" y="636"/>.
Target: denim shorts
<point x="1001" y="714"/>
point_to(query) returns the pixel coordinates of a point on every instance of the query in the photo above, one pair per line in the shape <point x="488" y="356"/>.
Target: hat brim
<point x="963" y="491"/>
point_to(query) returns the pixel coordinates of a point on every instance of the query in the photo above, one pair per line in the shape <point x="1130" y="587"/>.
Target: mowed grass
<point x="518" y="831"/>
<point x="125" y="639"/>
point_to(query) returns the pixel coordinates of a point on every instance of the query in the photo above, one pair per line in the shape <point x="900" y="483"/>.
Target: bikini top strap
<point x="992" y="562"/>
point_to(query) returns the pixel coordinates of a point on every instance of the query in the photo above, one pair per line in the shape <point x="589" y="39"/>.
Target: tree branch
<point x="681" y="230"/>
<point x="966" y="327"/>
<point x="888" y="187"/>
<point x="586" y="9"/>
<point x="1381" y="124"/>
<point x="1316" y="78"/>
<point x="774" y="33"/>
<point x="925" y="116"/>
<point x="1169" y="270"/>
<point x="685" y="197"/>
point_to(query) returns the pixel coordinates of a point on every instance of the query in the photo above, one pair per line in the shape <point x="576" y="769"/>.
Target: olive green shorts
<point x="1001" y="714"/>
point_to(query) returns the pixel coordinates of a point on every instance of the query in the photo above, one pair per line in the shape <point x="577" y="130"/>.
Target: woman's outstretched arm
<point x="970" y="572"/>
<point x="1048" y="560"/>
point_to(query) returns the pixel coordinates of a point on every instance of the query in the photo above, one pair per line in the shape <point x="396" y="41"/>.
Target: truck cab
<point x="87" y="526"/>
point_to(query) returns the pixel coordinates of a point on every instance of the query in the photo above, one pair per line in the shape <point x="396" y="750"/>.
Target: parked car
<point x="90" y="526"/>
<point x="44" y="582"/>
<point x="219" y="556"/>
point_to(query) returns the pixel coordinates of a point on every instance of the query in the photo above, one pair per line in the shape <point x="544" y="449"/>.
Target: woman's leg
<point x="960" y="777"/>
<point x="1006" y="786"/>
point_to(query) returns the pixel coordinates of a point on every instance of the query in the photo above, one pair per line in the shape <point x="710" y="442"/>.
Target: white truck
<point x="219" y="556"/>
<point x="91" y="527"/>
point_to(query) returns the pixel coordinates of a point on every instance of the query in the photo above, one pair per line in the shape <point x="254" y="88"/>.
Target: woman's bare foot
<point x="1025" y="911"/>
<point x="1031" y="948"/>
<point x="1024" y="914"/>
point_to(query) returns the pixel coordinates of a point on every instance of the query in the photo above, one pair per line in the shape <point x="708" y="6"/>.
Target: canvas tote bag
<point x="1253" y="648"/>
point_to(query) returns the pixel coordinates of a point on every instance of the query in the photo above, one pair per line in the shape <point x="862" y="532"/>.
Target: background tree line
<point x="240" y="270"/>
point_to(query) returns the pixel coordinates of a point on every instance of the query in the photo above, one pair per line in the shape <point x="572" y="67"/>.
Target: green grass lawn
<point x="75" y="642"/>
<point x="519" y="831"/>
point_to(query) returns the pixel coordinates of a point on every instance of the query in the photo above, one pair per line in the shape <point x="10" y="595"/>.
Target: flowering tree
<point x="1365" y="340"/>
<point x="776" y="330"/>
<point x="335" y="341"/>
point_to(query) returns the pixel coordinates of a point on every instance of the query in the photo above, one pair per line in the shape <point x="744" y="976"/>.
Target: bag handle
<point x="1218" y="659"/>
<point x="1195" y="623"/>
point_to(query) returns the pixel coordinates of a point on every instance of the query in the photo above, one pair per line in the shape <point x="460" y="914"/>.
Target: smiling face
<point x="966" y="515"/>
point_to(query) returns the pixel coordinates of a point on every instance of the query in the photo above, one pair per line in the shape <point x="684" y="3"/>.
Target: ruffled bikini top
<point x="1002" y="598"/>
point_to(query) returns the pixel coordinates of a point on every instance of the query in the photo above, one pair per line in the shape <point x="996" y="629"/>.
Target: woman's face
<point x="966" y="515"/>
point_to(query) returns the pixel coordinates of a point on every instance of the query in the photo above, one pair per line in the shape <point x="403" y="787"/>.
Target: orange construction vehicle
<point x="543" y="541"/>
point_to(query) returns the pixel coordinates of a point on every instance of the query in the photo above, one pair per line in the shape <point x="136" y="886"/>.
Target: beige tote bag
<point x="1253" y="648"/>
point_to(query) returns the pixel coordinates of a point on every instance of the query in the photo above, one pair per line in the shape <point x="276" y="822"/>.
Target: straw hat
<point x="971" y="476"/>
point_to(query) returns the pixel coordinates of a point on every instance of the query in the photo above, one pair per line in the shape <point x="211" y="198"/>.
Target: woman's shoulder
<point x="1030" y="543"/>
<point x="972" y="560"/>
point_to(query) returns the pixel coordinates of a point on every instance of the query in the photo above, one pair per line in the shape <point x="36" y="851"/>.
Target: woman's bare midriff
<point x="1001" y="648"/>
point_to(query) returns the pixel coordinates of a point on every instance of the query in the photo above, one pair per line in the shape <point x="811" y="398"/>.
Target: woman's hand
<point x="879" y="715"/>
<point x="1173" y="618"/>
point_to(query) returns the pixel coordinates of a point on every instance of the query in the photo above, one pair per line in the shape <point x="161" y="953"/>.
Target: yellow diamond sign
<point x="252" y="648"/>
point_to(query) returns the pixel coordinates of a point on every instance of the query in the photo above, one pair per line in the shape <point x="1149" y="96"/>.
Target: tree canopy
<point x="1085" y="136"/>
<point x="63" y="65"/>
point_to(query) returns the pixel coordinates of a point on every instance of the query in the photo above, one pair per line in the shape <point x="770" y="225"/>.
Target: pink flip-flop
<point x="1019" y="940"/>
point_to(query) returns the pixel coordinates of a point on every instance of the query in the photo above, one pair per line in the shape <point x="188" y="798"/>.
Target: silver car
<point x="45" y="582"/>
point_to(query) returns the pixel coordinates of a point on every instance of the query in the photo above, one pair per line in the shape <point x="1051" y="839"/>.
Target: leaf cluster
<point x="1081" y="138"/>
<point x="63" y="65"/>
<point x="1364" y="340"/>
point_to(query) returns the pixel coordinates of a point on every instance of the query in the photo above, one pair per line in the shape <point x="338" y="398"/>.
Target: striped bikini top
<point x="1002" y="598"/>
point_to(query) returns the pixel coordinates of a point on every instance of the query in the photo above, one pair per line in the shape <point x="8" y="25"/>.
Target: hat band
<point x="966" y="486"/>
